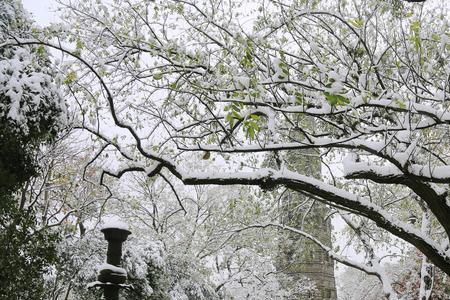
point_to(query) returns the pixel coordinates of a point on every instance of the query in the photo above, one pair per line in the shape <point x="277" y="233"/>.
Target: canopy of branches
<point x="207" y="92"/>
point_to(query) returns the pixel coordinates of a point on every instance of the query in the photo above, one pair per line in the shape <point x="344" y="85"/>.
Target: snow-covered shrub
<point x="31" y="113"/>
<point x="32" y="109"/>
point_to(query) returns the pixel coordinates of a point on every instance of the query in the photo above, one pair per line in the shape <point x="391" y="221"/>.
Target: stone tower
<point x="298" y="256"/>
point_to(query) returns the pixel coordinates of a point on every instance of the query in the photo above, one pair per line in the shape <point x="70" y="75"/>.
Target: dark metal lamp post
<point x="112" y="277"/>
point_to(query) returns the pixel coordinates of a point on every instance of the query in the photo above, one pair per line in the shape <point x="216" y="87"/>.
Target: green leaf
<point x="358" y="23"/>
<point x="41" y="50"/>
<point x="255" y="117"/>
<point x="255" y="94"/>
<point x="79" y="44"/>
<point x="250" y="132"/>
<point x="179" y="8"/>
<point x="235" y="107"/>
<point x="359" y="52"/>
<point x="298" y="98"/>
<point x="157" y="76"/>
<point x="336" y="100"/>
<point x="436" y="37"/>
<point x="415" y="34"/>
<point x="251" y="127"/>
<point x="229" y="119"/>
<point x="400" y="103"/>
<point x="236" y="115"/>
<point x="71" y="77"/>
<point x="247" y="60"/>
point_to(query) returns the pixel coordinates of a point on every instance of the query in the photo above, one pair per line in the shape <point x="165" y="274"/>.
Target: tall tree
<point x="233" y="79"/>
<point x="31" y="110"/>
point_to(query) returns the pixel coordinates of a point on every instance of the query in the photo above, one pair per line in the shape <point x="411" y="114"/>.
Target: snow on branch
<point x="268" y="178"/>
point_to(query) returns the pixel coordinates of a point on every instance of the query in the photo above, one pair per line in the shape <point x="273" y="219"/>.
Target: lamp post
<point x="112" y="277"/>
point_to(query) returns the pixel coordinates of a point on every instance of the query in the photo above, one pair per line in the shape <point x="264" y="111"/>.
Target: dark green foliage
<point x="25" y="71"/>
<point x="28" y="119"/>
<point x="25" y="254"/>
<point x="16" y="162"/>
<point x="17" y="149"/>
<point x="156" y="279"/>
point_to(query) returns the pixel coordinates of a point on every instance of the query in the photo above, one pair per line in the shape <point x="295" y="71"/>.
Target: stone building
<point x="298" y="256"/>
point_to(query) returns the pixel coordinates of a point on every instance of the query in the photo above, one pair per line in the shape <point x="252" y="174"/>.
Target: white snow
<point x="113" y="269"/>
<point x="114" y="222"/>
<point x="242" y="82"/>
<point x="428" y="171"/>
<point x="29" y="93"/>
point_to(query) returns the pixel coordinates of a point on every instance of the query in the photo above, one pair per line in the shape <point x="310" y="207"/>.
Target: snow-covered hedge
<point x="31" y="104"/>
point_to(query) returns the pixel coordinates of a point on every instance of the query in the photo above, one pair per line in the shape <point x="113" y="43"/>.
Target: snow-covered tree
<point x="206" y="254"/>
<point x="406" y="272"/>
<point x="364" y="83"/>
<point x="31" y="113"/>
<point x="31" y="106"/>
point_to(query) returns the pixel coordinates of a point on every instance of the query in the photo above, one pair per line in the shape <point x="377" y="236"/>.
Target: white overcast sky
<point x="43" y="11"/>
